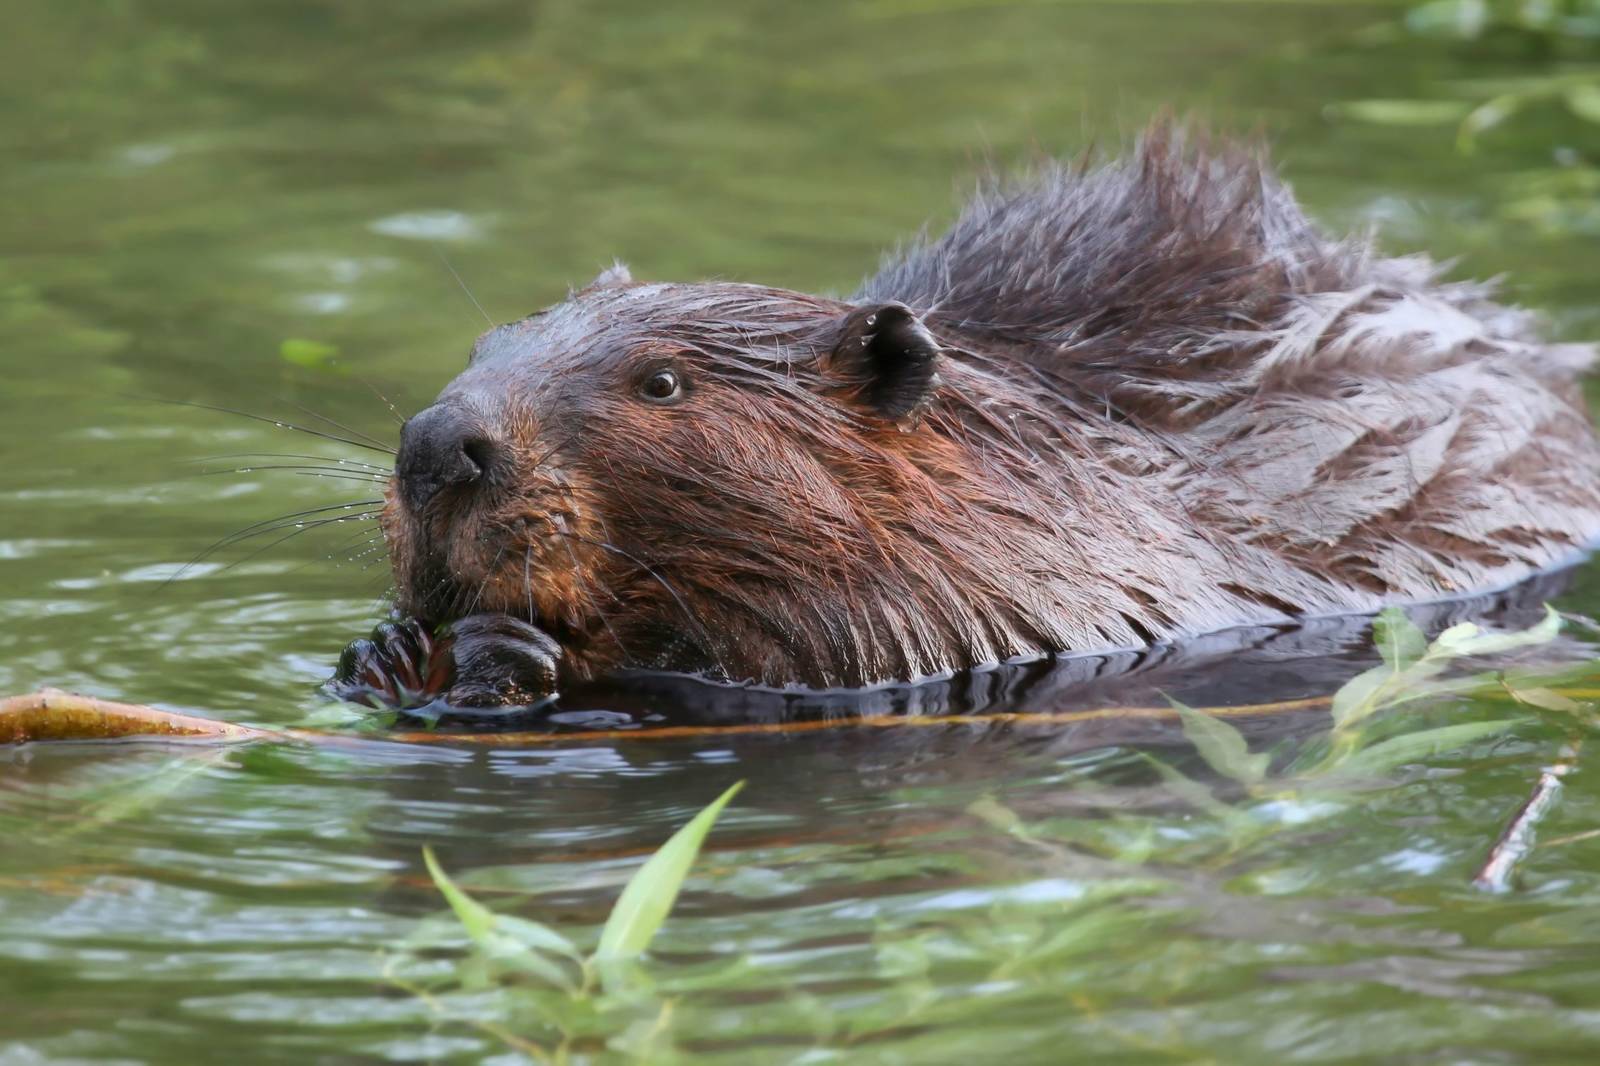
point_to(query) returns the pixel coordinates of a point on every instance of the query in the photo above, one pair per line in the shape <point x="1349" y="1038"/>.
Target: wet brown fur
<point x="1163" y="403"/>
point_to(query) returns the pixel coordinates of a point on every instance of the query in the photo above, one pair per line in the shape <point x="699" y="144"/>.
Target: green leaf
<point x="1088" y="931"/>
<point x="1483" y="118"/>
<point x="1414" y="747"/>
<point x="534" y="935"/>
<point x="506" y="953"/>
<point x="1399" y="640"/>
<point x="432" y="933"/>
<point x="1546" y="698"/>
<point x="505" y="941"/>
<point x="648" y="898"/>
<point x="301" y="352"/>
<point x="1136" y="851"/>
<point x="1357" y="698"/>
<point x="475" y="918"/>
<point x="1402" y="112"/>
<point x="1222" y="746"/>
<point x="475" y="973"/>
<point x="1454" y="18"/>
<point x="132" y="798"/>
<point x="1468" y="639"/>
<point x="348" y="716"/>
<point x="1456" y="634"/>
<point x="997" y="815"/>
<point x="1235" y="822"/>
<point x="1584" y="101"/>
<point x="903" y="958"/>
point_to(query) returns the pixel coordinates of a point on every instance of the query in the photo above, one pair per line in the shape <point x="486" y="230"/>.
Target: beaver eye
<point x="662" y="387"/>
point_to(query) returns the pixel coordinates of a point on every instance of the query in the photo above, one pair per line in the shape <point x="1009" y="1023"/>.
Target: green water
<point x="185" y="186"/>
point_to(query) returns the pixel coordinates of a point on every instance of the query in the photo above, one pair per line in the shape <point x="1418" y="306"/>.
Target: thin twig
<point x="1516" y="841"/>
<point x="1571" y="838"/>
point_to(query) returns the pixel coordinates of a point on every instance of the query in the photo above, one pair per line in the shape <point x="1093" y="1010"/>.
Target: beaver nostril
<point x="444" y="446"/>
<point x="479" y="452"/>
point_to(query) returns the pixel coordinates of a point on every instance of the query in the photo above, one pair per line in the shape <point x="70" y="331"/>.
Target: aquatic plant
<point x="1472" y="19"/>
<point x="541" y="980"/>
<point x="1533" y="95"/>
<point x="1566" y="34"/>
<point x="1412" y="670"/>
<point x="1153" y="855"/>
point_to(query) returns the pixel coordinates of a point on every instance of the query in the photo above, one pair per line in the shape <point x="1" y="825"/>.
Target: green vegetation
<point x="1475" y="19"/>
<point x="1531" y="67"/>
<point x="313" y="355"/>
<point x="1412" y="671"/>
<point x="541" y="982"/>
<point x="530" y="987"/>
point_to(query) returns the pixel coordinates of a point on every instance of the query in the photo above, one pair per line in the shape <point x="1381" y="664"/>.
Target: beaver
<point x="1119" y="403"/>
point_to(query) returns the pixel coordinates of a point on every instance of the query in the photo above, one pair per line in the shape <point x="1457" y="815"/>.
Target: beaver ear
<point x="887" y="358"/>
<point x="615" y="274"/>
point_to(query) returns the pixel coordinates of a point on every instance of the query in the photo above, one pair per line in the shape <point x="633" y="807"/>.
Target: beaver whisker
<point x="343" y="477"/>
<point x="439" y="584"/>
<point x="300" y="471"/>
<point x="551" y="451"/>
<point x="271" y="524"/>
<point x="394" y="411"/>
<point x="488" y="576"/>
<point x="267" y="524"/>
<point x="299" y="529"/>
<point x="463" y="284"/>
<point x="373" y="541"/>
<point x="689" y="616"/>
<point x="333" y="461"/>
<point x="590" y="600"/>
<point x="280" y="424"/>
<point x="527" y="580"/>
<point x="359" y="552"/>
<point x="336" y="424"/>
<point x="280" y="540"/>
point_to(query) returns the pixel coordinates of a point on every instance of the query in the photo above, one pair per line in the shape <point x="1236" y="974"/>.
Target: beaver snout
<point x="444" y="446"/>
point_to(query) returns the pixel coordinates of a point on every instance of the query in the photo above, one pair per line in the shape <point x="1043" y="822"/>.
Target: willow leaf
<point x="650" y="894"/>
<point x="1222" y="746"/>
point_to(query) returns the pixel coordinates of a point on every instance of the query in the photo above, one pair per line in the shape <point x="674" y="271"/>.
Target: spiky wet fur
<point x="1166" y="404"/>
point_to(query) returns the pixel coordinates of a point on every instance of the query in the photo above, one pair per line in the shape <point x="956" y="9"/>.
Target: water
<point x="203" y="204"/>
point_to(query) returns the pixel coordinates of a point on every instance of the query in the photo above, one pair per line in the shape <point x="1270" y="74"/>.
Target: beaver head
<point x="670" y="476"/>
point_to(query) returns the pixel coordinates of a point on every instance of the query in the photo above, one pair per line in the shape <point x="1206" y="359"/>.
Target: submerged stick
<point x="1516" y="841"/>
<point x="52" y="714"/>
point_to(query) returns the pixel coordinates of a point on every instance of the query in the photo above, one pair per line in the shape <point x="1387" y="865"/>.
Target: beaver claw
<point x="483" y="660"/>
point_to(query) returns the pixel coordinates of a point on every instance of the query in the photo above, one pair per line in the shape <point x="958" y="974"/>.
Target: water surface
<point x="251" y="207"/>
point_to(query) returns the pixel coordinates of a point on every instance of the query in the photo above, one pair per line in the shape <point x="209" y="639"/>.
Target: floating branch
<point x="51" y="714"/>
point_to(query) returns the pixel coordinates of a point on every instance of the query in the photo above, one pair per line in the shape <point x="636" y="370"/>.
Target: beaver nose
<point x="440" y="447"/>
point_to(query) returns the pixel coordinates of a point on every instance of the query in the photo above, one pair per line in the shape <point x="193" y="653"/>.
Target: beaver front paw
<point x="483" y="660"/>
<point x="500" y="661"/>
<point x="401" y="665"/>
